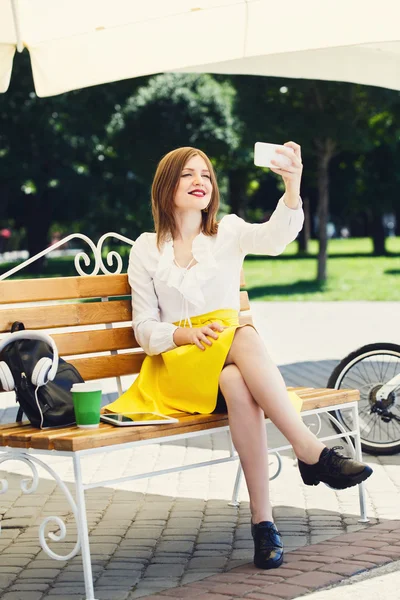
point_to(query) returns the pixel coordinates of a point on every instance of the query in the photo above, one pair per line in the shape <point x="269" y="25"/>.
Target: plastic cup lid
<point x="86" y="387"/>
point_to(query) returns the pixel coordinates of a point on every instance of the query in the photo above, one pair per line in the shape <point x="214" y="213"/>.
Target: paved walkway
<point x="151" y="536"/>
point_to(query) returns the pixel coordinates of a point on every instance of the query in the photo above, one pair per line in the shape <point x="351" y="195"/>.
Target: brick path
<point x="304" y="571"/>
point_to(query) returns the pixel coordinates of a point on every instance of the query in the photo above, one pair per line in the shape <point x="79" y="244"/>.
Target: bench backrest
<point x="89" y="318"/>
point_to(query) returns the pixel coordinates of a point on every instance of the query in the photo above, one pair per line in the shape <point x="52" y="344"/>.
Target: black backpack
<point x="47" y="405"/>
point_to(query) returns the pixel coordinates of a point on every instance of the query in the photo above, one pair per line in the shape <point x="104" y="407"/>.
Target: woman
<point x="185" y="281"/>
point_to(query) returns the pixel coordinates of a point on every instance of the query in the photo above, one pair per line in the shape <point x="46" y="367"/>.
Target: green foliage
<point x="170" y="111"/>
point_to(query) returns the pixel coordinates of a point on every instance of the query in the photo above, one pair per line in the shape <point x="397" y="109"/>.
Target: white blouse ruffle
<point x="188" y="282"/>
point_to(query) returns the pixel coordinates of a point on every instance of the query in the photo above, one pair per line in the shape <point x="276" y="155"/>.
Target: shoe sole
<point x="345" y="483"/>
<point x="273" y="565"/>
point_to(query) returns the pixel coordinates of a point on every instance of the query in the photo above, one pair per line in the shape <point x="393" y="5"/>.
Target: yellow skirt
<point x="186" y="378"/>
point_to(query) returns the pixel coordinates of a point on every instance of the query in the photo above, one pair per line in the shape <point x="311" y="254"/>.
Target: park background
<point x="83" y="161"/>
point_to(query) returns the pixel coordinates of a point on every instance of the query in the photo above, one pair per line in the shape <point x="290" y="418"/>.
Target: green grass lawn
<point x="353" y="274"/>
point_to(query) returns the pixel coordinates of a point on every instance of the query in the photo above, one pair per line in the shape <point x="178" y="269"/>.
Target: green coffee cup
<point x="87" y="403"/>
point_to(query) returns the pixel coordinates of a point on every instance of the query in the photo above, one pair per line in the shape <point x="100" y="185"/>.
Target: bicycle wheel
<point x="368" y="369"/>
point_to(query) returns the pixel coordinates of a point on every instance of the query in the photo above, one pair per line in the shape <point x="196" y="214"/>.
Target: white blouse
<point x="164" y="293"/>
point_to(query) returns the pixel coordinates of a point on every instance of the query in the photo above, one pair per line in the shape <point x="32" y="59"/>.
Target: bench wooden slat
<point x="98" y="340"/>
<point x="108" y="435"/>
<point x="321" y="401"/>
<point x="67" y="315"/>
<point x="244" y="301"/>
<point x="64" y="288"/>
<point x="246" y="319"/>
<point x="73" y="438"/>
<point x="18" y="436"/>
<point x="101" y="367"/>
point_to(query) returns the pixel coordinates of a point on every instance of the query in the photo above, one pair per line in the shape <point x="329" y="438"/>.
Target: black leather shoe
<point x="268" y="547"/>
<point x="334" y="469"/>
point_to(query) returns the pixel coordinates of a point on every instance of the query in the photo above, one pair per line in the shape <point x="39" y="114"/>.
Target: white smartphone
<point x="129" y="419"/>
<point x="264" y="153"/>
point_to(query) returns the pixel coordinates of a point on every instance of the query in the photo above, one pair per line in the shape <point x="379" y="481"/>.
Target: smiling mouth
<point x="198" y="193"/>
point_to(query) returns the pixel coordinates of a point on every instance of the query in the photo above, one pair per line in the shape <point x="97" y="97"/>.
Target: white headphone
<point x="45" y="369"/>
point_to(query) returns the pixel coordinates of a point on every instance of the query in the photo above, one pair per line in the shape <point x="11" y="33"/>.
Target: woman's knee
<point x="246" y="335"/>
<point x="229" y="377"/>
<point x="233" y="386"/>
<point x="246" y="338"/>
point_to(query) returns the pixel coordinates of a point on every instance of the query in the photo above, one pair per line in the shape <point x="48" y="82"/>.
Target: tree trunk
<point x="37" y="220"/>
<point x="304" y="235"/>
<point x="378" y="235"/>
<point x="325" y="150"/>
<point x="237" y="184"/>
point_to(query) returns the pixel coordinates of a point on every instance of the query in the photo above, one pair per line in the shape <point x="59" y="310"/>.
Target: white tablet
<point x="138" y="418"/>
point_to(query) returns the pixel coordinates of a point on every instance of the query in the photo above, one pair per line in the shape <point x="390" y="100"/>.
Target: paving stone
<point x="6" y="580"/>
<point x="8" y="534"/>
<point x="217" y="538"/>
<point x="205" y="563"/>
<point x="48" y="563"/>
<point x="22" y="595"/>
<point x="180" y="533"/>
<point x="189" y="514"/>
<point x="164" y="571"/>
<point x="213" y="546"/>
<point x="119" y="565"/>
<point x="10" y="570"/>
<point x="315" y="579"/>
<point x="345" y="568"/>
<point x="150" y="587"/>
<point x="136" y="545"/>
<point x="67" y="576"/>
<point x="173" y="560"/>
<point x="34" y="587"/>
<point x="103" y="549"/>
<point x="145" y="592"/>
<point x="111" y="595"/>
<point x="16" y="523"/>
<point x="201" y="553"/>
<point x="243" y="544"/>
<point x="185" y="522"/>
<point x="242" y="554"/>
<point x="104" y="539"/>
<point x="193" y="576"/>
<point x="40" y="573"/>
<point x="142" y="554"/>
<point x="122" y="584"/>
<point x="181" y="547"/>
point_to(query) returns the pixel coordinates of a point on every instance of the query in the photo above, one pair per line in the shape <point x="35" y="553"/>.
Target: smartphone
<point x="264" y="153"/>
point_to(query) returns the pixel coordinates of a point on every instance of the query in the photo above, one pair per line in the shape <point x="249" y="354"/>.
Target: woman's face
<point x="194" y="188"/>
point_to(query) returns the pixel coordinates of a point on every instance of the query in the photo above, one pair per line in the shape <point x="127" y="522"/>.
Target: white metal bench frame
<point x="32" y="457"/>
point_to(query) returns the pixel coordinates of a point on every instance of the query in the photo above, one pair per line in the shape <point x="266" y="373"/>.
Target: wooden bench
<point x="91" y="317"/>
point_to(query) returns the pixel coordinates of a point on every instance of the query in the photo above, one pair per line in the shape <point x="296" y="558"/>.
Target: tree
<point x="169" y="111"/>
<point x="324" y="117"/>
<point x="49" y="153"/>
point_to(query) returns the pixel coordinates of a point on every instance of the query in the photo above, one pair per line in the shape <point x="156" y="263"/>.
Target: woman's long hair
<point x="163" y="190"/>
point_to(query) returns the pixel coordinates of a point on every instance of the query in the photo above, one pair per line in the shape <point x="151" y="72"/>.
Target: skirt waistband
<point x="227" y="317"/>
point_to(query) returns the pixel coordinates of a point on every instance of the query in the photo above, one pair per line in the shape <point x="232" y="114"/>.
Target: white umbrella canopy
<point x="80" y="43"/>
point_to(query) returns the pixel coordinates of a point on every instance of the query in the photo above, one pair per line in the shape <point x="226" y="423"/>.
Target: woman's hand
<point x="291" y="175"/>
<point x="197" y="335"/>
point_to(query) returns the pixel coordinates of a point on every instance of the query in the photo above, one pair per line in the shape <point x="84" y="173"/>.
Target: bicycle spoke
<point x="367" y="374"/>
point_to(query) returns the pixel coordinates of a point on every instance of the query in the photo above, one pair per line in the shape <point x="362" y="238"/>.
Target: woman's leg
<point x="268" y="389"/>
<point x="247" y="426"/>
